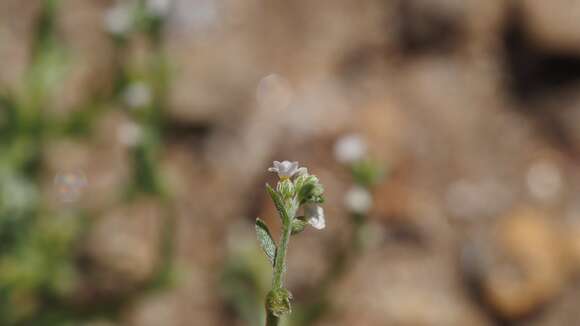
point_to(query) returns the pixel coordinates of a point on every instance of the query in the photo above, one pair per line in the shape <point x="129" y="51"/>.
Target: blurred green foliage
<point x="39" y="260"/>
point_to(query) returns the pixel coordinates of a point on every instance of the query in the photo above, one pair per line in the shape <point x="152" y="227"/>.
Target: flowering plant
<point x="296" y="192"/>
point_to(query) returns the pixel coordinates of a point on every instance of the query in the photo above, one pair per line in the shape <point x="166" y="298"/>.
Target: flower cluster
<point x="299" y="189"/>
<point x="296" y="192"/>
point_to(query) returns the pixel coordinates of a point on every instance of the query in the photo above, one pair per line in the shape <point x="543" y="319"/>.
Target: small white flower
<point x="138" y="95"/>
<point x="287" y="169"/>
<point x="158" y="8"/>
<point x="358" y="200"/>
<point x="314" y="214"/>
<point x="350" y="148"/>
<point x="118" y="19"/>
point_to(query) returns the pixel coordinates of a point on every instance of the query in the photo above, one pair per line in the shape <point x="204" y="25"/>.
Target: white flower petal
<point x="138" y="94"/>
<point x="158" y="8"/>
<point x="315" y="216"/>
<point x="302" y="171"/>
<point x="285" y="169"/>
<point x="318" y="223"/>
<point x="118" y="19"/>
<point x="294" y="166"/>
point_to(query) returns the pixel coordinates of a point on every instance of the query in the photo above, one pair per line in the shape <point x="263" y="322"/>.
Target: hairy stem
<point x="271" y="320"/>
<point x="280" y="263"/>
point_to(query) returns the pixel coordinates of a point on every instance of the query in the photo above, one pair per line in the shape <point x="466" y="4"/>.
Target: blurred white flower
<point x="314" y="214"/>
<point x="118" y="19"/>
<point x="138" y="95"/>
<point x="16" y="192"/>
<point x="287" y="169"/>
<point x="358" y="200"/>
<point x="158" y="8"/>
<point x="129" y="134"/>
<point x="196" y="16"/>
<point x="544" y="180"/>
<point x="350" y="148"/>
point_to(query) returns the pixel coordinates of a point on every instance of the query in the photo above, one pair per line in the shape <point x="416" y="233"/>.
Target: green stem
<point x="271" y="320"/>
<point x="280" y="263"/>
<point x="341" y="260"/>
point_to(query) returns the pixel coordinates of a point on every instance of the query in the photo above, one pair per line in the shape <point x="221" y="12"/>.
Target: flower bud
<point x="298" y="224"/>
<point x="286" y="188"/>
<point x="310" y="190"/>
<point x="315" y="215"/>
<point x="278" y="302"/>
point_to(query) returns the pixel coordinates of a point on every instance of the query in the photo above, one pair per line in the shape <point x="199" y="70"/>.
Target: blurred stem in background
<point x="241" y="278"/>
<point x="37" y="246"/>
<point x="366" y="174"/>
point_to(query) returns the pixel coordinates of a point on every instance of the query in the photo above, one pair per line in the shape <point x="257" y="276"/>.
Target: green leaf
<point x="305" y="192"/>
<point x="279" y="203"/>
<point x="367" y="173"/>
<point x="266" y="241"/>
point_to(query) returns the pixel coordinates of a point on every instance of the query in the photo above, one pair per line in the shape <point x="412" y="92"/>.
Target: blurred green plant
<point x="365" y="173"/>
<point x="39" y="265"/>
<point x="244" y="279"/>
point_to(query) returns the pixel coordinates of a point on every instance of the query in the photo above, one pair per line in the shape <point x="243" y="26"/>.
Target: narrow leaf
<point x="278" y="203"/>
<point x="266" y="241"/>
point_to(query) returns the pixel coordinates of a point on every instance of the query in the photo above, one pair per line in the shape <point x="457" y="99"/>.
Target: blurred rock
<point x="124" y="245"/>
<point x="16" y="33"/>
<point x="160" y="309"/>
<point x="411" y="289"/>
<point x="563" y="312"/>
<point x="99" y="323"/>
<point x="104" y="163"/>
<point x="523" y="266"/>
<point x="90" y="65"/>
<point x="553" y="23"/>
<point x="572" y="233"/>
<point x="423" y="81"/>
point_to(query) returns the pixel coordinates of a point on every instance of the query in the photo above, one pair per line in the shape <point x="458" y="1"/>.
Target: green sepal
<point x="286" y="189"/>
<point x="279" y="203"/>
<point x="266" y="241"/>
<point x="298" y="224"/>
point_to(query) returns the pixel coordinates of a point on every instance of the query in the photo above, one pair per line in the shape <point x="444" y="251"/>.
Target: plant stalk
<point x="280" y="264"/>
<point x="271" y="320"/>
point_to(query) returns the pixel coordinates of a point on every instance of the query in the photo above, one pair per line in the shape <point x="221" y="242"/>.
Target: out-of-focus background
<point x="135" y="137"/>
